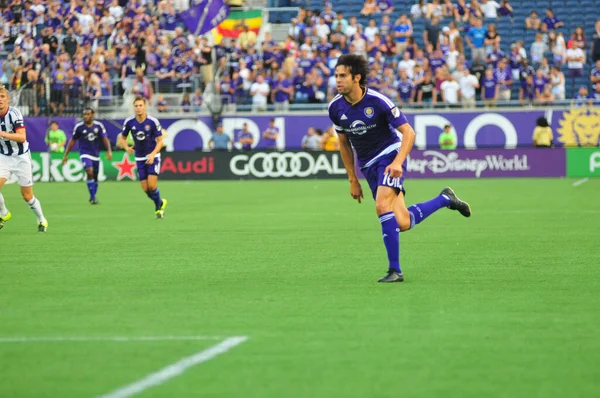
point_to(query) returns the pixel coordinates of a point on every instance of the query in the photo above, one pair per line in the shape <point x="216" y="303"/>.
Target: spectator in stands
<point x="489" y="88"/>
<point x="461" y="11"/>
<point x="406" y="89"/>
<point x="595" y="46"/>
<point x="582" y="98"/>
<point x="370" y="7"/>
<point x="426" y="91"/>
<point x="545" y="66"/>
<point x="259" y="91"/>
<point x="557" y="82"/>
<point x="505" y="9"/>
<point x="546" y="97"/>
<point x="57" y="90"/>
<point x="527" y="92"/>
<point x="551" y="21"/>
<point x="476" y="40"/>
<point x="270" y="135"/>
<point x="311" y="141"/>
<point x="558" y="47"/>
<point x="540" y="81"/>
<point x="595" y="73"/>
<point x="533" y="22"/>
<point x="490" y="8"/>
<point x="595" y="95"/>
<point x="468" y="87"/>
<point x="385" y="6"/>
<point x="161" y="104"/>
<point x="495" y="56"/>
<point x="434" y="10"/>
<point x="219" y="142"/>
<point x="371" y="30"/>
<point x="538" y="48"/>
<point x="329" y="15"/>
<point x="447" y="140"/>
<point x="245" y="138"/>
<point x="431" y="34"/>
<point x="491" y="38"/>
<point x="542" y="134"/>
<point x="141" y="86"/>
<point x="475" y="9"/>
<point x="575" y="62"/>
<point x="419" y="10"/>
<point x="186" y="103"/>
<point x="282" y="92"/>
<point x="402" y="31"/>
<point x="448" y="9"/>
<point x="578" y="39"/>
<point x="504" y="78"/>
<point x="450" y="91"/>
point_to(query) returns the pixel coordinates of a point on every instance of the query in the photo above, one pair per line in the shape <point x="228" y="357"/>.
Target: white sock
<point x="36" y="207"/>
<point x="3" y="209"/>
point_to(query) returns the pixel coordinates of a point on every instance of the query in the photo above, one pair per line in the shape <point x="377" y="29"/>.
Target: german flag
<point x="235" y="22"/>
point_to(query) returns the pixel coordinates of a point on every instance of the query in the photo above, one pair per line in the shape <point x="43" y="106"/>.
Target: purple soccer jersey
<point x="90" y="139"/>
<point x="370" y="124"/>
<point x="144" y="135"/>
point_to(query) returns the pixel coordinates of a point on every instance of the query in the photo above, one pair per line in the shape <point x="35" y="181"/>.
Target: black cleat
<point x="43" y="226"/>
<point x="94" y="201"/>
<point x="457" y="204"/>
<point x="392" y="276"/>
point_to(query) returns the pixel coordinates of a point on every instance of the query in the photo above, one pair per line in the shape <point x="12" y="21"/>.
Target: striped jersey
<point x="371" y="125"/>
<point x="10" y="122"/>
<point x="91" y="139"/>
<point x="144" y="134"/>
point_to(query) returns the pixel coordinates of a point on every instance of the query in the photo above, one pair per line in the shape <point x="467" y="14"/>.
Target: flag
<point x="204" y="16"/>
<point x="232" y="26"/>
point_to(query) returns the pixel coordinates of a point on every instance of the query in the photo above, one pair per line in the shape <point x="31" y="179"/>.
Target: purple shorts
<point x="144" y="170"/>
<point x="376" y="177"/>
<point x="87" y="163"/>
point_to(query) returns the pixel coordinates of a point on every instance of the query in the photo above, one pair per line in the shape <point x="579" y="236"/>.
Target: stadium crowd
<point x="62" y="57"/>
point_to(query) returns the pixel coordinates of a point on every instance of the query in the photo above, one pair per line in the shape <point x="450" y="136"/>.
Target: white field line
<point x="107" y="339"/>
<point x="175" y="369"/>
<point x="579" y="182"/>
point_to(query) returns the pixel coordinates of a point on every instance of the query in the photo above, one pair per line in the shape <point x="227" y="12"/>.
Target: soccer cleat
<point x="392" y="276"/>
<point x="4" y="219"/>
<point x="93" y="201"/>
<point x="43" y="226"/>
<point x="160" y="214"/>
<point x="163" y="204"/>
<point x="457" y="204"/>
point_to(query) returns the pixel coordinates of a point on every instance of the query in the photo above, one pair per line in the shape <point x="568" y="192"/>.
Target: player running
<point x="369" y="122"/>
<point x="147" y="135"/>
<point x="91" y="134"/>
<point x="15" y="159"/>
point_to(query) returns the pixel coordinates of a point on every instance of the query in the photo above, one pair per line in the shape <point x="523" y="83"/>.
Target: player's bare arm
<point x="157" y="148"/>
<point x="123" y="144"/>
<point x="108" y="148"/>
<point x="408" y="140"/>
<point x="67" y="150"/>
<point x="348" y="160"/>
<point x="18" y="136"/>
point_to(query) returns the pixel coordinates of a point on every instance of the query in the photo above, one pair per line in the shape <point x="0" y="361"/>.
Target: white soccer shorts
<point x="18" y="166"/>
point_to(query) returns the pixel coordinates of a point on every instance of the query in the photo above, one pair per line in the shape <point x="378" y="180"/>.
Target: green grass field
<point x="504" y="304"/>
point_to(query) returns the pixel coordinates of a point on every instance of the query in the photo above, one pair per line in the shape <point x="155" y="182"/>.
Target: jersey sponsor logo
<point x="285" y="164"/>
<point x="359" y="127"/>
<point x="369" y="112"/>
<point x="140" y="136"/>
<point x="396" y="112"/>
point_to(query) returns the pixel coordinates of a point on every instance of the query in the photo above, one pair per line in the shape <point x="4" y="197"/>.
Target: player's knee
<point x="27" y="196"/>
<point x="403" y="219"/>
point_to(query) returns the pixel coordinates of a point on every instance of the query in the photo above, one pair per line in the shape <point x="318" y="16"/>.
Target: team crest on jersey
<point x="96" y="130"/>
<point x="147" y="127"/>
<point x="369" y="112"/>
<point x="396" y="112"/>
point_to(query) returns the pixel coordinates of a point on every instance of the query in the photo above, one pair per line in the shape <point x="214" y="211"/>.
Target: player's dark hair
<point x="542" y="122"/>
<point x="88" y="109"/>
<point x="357" y="65"/>
<point x="139" y="99"/>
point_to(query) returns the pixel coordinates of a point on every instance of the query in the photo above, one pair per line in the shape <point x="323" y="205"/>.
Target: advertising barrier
<point x="462" y="163"/>
<point x="490" y="129"/>
<point x="583" y="162"/>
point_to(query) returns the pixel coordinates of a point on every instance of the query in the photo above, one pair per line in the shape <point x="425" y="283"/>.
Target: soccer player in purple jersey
<point x="148" y="138"/>
<point x="91" y="134"/>
<point x="379" y="133"/>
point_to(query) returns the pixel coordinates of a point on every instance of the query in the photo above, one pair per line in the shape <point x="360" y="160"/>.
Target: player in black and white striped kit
<point x="15" y="159"/>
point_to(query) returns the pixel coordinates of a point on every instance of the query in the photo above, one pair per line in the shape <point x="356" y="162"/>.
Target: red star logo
<point x="125" y="167"/>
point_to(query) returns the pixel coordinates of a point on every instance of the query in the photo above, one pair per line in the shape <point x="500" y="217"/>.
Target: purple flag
<point x="204" y="16"/>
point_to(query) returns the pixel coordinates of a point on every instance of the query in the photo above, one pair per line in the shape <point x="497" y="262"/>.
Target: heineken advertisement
<point x="583" y="162"/>
<point x="48" y="167"/>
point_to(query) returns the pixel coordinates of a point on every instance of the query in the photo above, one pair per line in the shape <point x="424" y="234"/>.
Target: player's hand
<point x="109" y="156"/>
<point x="150" y="159"/>
<point x="129" y="150"/>
<point x="356" y="190"/>
<point x="394" y="170"/>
